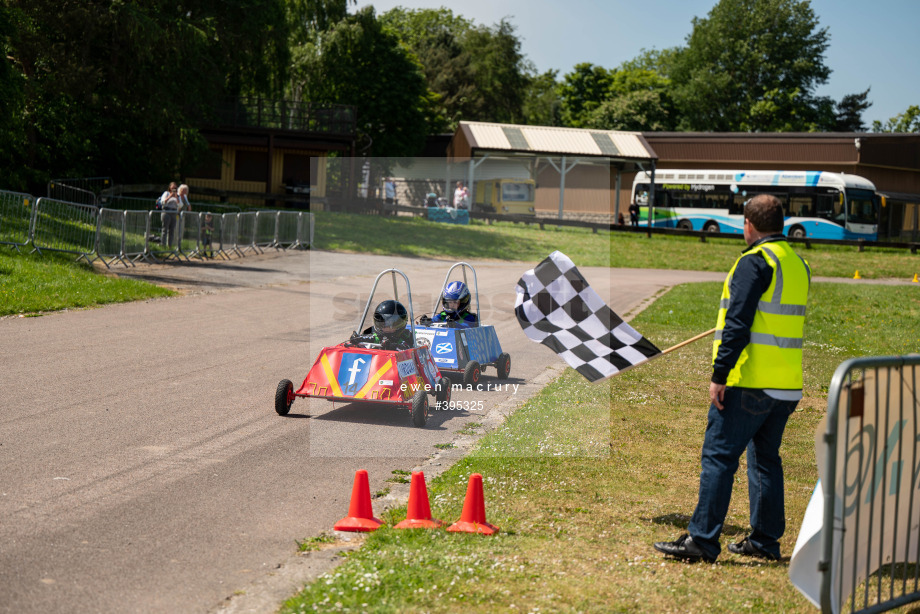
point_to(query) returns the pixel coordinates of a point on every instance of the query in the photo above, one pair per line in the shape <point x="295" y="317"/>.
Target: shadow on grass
<point x="680" y="521"/>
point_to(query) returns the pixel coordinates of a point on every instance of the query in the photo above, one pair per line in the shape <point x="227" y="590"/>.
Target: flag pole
<point x="670" y="349"/>
<point x="688" y="341"/>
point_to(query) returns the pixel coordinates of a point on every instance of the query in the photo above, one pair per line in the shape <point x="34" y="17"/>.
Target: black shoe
<point x="683" y="548"/>
<point x="746" y="548"/>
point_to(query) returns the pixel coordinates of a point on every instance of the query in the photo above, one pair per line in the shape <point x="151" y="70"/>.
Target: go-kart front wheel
<point x="420" y="408"/>
<point x="472" y="373"/>
<point x="284" y="397"/>
<point x="503" y="365"/>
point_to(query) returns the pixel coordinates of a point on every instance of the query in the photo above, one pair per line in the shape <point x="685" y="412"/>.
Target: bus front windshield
<point x="517" y="192"/>
<point x="862" y="207"/>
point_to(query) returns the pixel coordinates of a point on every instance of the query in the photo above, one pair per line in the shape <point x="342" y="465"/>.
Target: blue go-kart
<point x="459" y="347"/>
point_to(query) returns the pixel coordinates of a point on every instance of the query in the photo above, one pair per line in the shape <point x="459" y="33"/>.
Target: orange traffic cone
<point x="856" y="275"/>
<point x="915" y="279"/>
<point x="473" y="517"/>
<point x="418" y="515"/>
<point x="360" y="514"/>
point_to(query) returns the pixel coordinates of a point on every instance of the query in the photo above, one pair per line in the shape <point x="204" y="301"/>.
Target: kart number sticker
<point x="406" y="368"/>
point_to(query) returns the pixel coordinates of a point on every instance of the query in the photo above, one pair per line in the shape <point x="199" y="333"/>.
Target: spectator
<point x="621" y="221"/>
<point x="634" y="215"/>
<point x="207" y="231"/>
<point x="756" y="384"/>
<point x="184" y="204"/>
<point x="169" y="201"/>
<point x="389" y="189"/>
<point x="458" y="195"/>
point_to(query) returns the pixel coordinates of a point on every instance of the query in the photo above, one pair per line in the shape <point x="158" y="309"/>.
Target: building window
<point x="251" y="166"/>
<point x="210" y="165"/>
<point x="296" y="169"/>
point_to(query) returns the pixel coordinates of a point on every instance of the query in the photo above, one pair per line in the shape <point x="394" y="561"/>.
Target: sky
<point x="873" y="43"/>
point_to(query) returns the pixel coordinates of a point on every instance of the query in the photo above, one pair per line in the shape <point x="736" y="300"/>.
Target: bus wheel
<point x="711" y="226"/>
<point x="797" y="232"/>
<point x="685" y="225"/>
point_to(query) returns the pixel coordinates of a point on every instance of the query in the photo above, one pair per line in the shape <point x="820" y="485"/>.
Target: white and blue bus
<point x="819" y="205"/>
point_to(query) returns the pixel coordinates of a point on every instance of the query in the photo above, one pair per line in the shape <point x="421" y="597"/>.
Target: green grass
<point x="30" y="283"/>
<point x="584" y="477"/>
<point x="417" y="237"/>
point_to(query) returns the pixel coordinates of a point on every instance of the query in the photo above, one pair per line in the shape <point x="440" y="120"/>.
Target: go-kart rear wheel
<point x="503" y="364"/>
<point x="472" y="373"/>
<point x="443" y="395"/>
<point x="284" y="397"/>
<point x="420" y="408"/>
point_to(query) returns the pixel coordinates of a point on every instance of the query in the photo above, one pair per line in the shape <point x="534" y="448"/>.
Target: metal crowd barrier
<point x="871" y="532"/>
<point x="246" y="232"/>
<point x="229" y="231"/>
<point x="266" y="229"/>
<point x="62" y="226"/>
<point x="16" y="213"/>
<point x="126" y="236"/>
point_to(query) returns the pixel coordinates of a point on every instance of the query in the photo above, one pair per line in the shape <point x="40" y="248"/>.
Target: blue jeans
<point x="754" y="421"/>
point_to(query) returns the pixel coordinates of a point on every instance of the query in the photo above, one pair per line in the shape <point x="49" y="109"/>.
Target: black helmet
<point x="389" y="317"/>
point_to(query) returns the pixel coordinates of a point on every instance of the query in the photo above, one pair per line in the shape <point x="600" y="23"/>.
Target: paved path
<point x="142" y="466"/>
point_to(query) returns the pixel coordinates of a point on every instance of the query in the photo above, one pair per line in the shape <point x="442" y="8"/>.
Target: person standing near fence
<point x="634" y="215"/>
<point x="756" y="384"/>
<point x="184" y="204"/>
<point x="458" y="195"/>
<point x="389" y="191"/>
<point x="169" y="201"/>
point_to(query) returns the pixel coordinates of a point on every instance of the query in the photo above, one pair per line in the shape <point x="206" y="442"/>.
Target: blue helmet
<point x="456" y="291"/>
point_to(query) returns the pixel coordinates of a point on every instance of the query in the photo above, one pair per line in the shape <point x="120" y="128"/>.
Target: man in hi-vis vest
<point x="756" y="384"/>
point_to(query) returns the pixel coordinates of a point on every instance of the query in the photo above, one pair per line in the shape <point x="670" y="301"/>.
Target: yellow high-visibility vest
<point x="773" y="356"/>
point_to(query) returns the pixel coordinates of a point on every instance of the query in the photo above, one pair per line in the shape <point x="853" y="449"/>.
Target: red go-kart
<point x="367" y="373"/>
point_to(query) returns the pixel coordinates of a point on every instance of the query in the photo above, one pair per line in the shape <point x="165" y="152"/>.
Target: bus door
<point x="829" y="206"/>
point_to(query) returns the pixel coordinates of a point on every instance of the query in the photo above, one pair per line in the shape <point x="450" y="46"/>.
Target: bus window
<point x="800" y="206"/>
<point x="830" y="207"/>
<point x="719" y="200"/>
<point x="517" y="192"/>
<point x="862" y="207"/>
<point x="681" y="199"/>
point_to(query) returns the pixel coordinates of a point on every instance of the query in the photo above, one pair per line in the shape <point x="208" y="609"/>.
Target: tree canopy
<point x="359" y="62"/>
<point x="477" y="73"/>
<point x="99" y="87"/>
<point x="908" y="121"/>
<point x="106" y="87"/>
<point x="751" y="65"/>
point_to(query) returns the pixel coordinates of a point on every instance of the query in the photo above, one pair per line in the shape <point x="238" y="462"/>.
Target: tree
<point x="499" y="72"/>
<point x="908" y="121"/>
<point x="436" y="37"/>
<point x="637" y="99"/>
<point x="476" y="72"/>
<point x="120" y="89"/>
<point x="542" y="103"/>
<point x="752" y="65"/>
<point x="582" y="91"/>
<point x="359" y="62"/>
<point x="849" y="112"/>
<point x="12" y="128"/>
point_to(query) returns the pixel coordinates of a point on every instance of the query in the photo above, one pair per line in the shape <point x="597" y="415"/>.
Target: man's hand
<point x="716" y="394"/>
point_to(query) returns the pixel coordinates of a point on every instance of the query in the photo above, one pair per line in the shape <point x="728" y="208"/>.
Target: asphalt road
<point x="142" y="465"/>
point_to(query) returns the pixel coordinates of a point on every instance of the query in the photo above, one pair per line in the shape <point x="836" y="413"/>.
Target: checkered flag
<point x="556" y="307"/>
